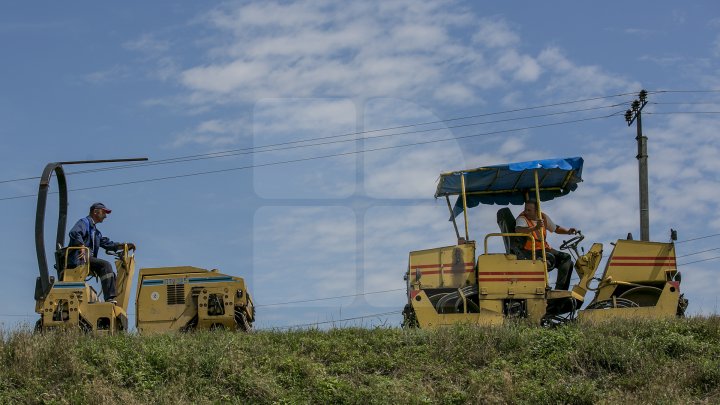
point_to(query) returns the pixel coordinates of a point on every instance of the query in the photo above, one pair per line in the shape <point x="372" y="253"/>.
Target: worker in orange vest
<point x="528" y="222"/>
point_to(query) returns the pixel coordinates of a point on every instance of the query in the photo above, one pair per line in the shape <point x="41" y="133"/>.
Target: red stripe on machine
<point x="448" y="271"/>
<point x="645" y="264"/>
<point x="512" y="279"/>
<point x="511" y="273"/>
<point x="643" y="257"/>
<point x="430" y="266"/>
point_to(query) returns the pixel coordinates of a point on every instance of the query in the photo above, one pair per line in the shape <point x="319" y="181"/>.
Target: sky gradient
<point x="209" y="81"/>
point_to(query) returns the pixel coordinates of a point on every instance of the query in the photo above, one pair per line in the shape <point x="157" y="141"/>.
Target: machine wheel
<point x="38" y="326"/>
<point x="241" y="321"/>
<point x="85" y="326"/>
<point x="645" y="296"/>
<point x="409" y="318"/>
<point x="191" y="325"/>
<point x="682" y="305"/>
<point x="608" y="304"/>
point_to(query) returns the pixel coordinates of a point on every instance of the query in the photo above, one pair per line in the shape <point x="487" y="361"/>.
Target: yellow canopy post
<point x="462" y="184"/>
<point x="542" y="230"/>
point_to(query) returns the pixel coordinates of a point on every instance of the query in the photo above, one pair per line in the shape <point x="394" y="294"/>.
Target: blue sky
<point x="164" y="80"/>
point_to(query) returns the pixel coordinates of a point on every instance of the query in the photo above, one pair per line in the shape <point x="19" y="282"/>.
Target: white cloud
<point x="495" y="34"/>
<point x="288" y="123"/>
<point x="407" y="171"/>
<point x="363" y="50"/>
<point x="566" y="79"/>
<point x="455" y="94"/>
<point x="147" y="43"/>
<point x="213" y="134"/>
<point x="524" y="67"/>
<point x="112" y="74"/>
<point x="301" y="251"/>
<point x="224" y="78"/>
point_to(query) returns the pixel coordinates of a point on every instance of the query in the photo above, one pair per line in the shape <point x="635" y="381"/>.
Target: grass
<point x="639" y="362"/>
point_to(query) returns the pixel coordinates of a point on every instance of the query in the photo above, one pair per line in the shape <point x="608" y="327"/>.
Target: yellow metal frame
<point x="462" y="184"/>
<point x="532" y="240"/>
<point x="75" y="299"/>
<point x="542" y="229"/>
<point x="78" y="273"/>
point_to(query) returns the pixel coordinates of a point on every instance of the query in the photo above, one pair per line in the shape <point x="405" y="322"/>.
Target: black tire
<point x="644" y="296"/>
<point x="409" y="318"/>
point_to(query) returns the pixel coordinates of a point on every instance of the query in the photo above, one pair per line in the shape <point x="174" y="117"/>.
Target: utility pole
<point x="632" y="115"/>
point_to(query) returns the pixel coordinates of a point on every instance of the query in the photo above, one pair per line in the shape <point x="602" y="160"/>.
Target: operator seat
<point x="60" y="254"/>
<point x="506" y="222"/>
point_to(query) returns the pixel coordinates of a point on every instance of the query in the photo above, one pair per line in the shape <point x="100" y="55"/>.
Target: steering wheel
<point x="117" y="253"/>
<point x="572" y="242"/>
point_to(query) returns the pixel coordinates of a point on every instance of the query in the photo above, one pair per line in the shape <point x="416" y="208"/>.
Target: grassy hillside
<point x="641" y="362"/>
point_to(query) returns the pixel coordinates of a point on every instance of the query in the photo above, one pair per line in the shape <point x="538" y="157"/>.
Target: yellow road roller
<point x="467" y="283"/>
<point x="168" y="299"/>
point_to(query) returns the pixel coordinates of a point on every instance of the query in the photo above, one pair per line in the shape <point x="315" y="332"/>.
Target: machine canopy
<point x="512" y="183"/>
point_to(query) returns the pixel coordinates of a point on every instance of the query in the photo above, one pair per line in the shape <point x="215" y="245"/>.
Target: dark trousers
<point x="563" y="263"/>
<point x="102" y="269"/>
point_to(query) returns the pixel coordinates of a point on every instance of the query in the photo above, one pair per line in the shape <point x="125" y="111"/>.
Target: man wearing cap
<point x="85" y="233"/>
<point x="528" y="222"/>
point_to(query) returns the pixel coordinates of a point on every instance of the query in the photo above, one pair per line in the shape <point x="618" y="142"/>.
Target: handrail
<point x="87" y="249"/>
<point x="532" y="239"/>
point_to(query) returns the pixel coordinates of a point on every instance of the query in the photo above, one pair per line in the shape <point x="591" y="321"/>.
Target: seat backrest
<point x="506" y="222"/>
<point x="60" y="254"/>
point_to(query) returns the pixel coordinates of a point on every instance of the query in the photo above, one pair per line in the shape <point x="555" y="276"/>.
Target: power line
<point x="338" y="320"/>
<point x="328" y="298"/>
<point x="281" y="303"/>
<point x="683" y="91"/>
<point x="686" y="103"/>
<point x="698" y="261"/>
<point x="698" y="238"/>
<point x="250" y="150"/>
<point x="697" y="253"/>
<point x="326" y="156"/>
<point x="254" y="150"/>
<point x="683" y="112"/>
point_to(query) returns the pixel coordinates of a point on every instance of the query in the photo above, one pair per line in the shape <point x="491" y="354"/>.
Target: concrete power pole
<point x="632" y="115"/>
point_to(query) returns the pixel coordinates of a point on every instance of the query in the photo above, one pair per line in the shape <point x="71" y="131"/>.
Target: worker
<point x="528" y="222"/>
<point x="85" y="233"/>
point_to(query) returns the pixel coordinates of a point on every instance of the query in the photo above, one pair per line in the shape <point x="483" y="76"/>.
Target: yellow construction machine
<point x="189" y="298"/>
<point x="70" y="301"/>
<point x="211" y="300"/>
<point x="458" y="284"/>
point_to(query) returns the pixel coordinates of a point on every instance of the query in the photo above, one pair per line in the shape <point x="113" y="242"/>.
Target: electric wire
<point x="685" y="103"/>
<point x="697" y="253"/>
<point x="254" y="150"/>
<point x="249" y="150"/>
<point x="682" y="112"/>
<point x="698" y="238"/>
<point x="221" y="153"/>
<point x="283" y="303"/>
<point x="698" y="261"/>
<point x="304" y="325"/>
<point x="683" y="91"/>
<point x="455" y="138"/>
<point x="327" y="298"/>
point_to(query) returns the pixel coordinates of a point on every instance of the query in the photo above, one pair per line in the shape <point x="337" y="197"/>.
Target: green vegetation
<point x="621" y="362"/>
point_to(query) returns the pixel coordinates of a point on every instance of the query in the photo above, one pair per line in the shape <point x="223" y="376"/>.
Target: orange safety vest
<point x="536" y="235"/>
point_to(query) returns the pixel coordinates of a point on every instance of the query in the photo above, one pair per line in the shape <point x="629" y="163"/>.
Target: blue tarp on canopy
<point x="509" y="183"/>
